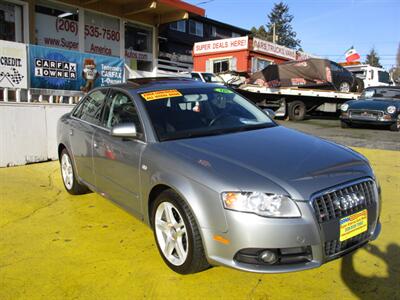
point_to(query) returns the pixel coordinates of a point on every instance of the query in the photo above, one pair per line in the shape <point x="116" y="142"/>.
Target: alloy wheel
<point x="171" y="233"/>
<point x="67" y="171"/>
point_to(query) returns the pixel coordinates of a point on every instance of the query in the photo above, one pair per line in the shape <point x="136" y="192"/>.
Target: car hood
<point x="268" y="160"/>
<point x="372" y="104"/>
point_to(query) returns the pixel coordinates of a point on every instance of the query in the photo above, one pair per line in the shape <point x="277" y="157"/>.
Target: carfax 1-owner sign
<point x="13" y="65"/>
<point x="52" y="68"/>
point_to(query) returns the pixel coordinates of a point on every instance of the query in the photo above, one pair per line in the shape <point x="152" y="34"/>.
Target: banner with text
<point x="56" y="32"/>
<point x="102" y="34"/>
<point x="231" y="44"/>
<point x="71" y="70"/>
<point x="13" y="65"/>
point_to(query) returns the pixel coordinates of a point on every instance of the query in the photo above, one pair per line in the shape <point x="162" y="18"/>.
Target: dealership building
<point x="241" y="54"/>
<point x="122" y="29"/>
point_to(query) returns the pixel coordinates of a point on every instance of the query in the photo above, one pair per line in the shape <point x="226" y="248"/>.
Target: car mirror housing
<point x="126" y="130"/>
<point x="269" y="112"/>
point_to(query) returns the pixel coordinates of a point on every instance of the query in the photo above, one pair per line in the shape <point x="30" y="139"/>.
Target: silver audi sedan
<point x="218" y="181"/>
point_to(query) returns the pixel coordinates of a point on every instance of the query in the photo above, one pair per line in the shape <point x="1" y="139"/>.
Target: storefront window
<point x="138" y="47"/>
<point x="259" y="64"/>
<point x="102" y="34"/>
<point x="56" y="26"/>
<point x="220" y="66"/>
<point x="11" y="22"/>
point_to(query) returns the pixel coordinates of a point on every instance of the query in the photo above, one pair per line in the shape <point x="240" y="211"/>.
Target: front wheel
<point x="69" y="175"/>
<point x="396" y="126"/>
<point x="177" y="235"/>
<point x="344" y="124"/>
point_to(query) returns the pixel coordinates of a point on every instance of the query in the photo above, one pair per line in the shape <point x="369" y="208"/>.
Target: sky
<point x="326" y="28"/>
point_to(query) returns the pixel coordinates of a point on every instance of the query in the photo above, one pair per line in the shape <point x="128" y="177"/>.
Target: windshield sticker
<point x="161" y="95"/>
<point x="223" y="90"/>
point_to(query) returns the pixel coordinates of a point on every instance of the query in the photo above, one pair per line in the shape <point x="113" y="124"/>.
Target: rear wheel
<point x="359" y="85"/>
<point x="69" y="175"/>
<point x="177" y="235"/>
<point x="296" y="110"/>
<point x="396" y="126"/>
<point x="344" y="87"/>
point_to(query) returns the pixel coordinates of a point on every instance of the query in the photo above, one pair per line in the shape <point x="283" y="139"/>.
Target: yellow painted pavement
<point x="57" y="246"/>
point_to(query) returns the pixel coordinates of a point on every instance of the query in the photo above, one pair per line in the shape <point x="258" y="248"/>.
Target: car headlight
<point x="344" y="107"/>
<point x="265" y="205"/>
<point x="391" y="109"/>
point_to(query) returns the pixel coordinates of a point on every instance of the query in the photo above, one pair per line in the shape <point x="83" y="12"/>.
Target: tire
<point x="396" y="126"/>
<point x="358" y="85"/>
<point x="68" y="175"/>
<point x="344" y="124"/>
<point x="296" y="110"/>
<point x="344" y="87"/>
<point x="185" y="253"/>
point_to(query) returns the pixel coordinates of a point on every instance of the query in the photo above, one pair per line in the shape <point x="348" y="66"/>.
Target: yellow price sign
<point x="353" y="225"/>
<point x="149" y="96"/>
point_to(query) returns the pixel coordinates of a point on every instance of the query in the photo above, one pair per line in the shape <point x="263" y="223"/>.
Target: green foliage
<point x="373" y="59"/>
<point x="282" y="19"/>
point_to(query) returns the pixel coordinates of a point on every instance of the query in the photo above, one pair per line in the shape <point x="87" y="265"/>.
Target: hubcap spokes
<point x="171" y="233"/>
<point x="66" y="171"/>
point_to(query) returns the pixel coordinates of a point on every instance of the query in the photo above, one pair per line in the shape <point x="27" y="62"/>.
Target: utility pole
<point x="273" y="33"/>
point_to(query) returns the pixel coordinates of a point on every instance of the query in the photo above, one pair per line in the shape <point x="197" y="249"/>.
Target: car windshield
<point x="210" y="77"/>
<point x="193" y="112"/>
<point x="381" y="94"/>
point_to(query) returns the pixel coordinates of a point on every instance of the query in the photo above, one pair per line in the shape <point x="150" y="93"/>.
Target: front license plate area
<point x="353" y="225"/>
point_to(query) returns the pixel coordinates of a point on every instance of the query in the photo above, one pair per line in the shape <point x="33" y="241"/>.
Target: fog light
<point x="269" y="257"/>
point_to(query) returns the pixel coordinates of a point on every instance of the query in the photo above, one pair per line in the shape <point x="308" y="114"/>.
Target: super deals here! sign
<point x="13" y="65"/>
<point x="231" y="44"/>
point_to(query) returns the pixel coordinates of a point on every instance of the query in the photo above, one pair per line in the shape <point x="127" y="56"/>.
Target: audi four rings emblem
<point x="349" y="201"/>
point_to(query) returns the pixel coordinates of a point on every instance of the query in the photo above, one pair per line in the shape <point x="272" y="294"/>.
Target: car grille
<point x="365" y="114"/>
<point x="326" y="209"/>
<point x="336" y="246"/>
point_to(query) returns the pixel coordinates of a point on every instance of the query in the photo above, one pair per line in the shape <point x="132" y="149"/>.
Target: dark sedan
<point x="376" y="106"/>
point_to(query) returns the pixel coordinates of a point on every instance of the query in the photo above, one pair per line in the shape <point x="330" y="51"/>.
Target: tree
<point x="373" y="59"/>
<point x="259" y="32"/>
<point x="396" y="70"/>
<point x="280" y="17"/>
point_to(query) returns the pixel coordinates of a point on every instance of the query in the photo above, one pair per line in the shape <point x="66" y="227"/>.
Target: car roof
<point x="158" y="83"/>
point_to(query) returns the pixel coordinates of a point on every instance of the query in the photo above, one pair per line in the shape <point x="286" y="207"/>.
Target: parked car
<point x="193" y="161"/>
<point x="207" y="77"/>
<point x="376" y="106"/>
<point x="309" y="73"/>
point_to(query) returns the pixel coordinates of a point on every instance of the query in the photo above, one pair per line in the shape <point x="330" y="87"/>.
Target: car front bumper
<point x="383" y="119"/>
<point x="251" y="232"/>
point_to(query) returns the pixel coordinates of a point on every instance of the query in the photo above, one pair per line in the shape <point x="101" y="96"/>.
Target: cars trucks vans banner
<point x="52" y="68"/>
<point x="13" y="65"/>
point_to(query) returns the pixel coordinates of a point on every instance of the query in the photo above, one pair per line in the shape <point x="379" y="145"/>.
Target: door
<point x="117" y="160"/>
<point x="84" y="120"/>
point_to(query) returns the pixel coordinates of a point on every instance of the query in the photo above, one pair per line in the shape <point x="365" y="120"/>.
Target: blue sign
<point x="58" y="69"/>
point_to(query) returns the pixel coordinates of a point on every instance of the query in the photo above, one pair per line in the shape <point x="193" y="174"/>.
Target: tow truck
<point x="295" y="102"/>
<point x="367" y="75"/>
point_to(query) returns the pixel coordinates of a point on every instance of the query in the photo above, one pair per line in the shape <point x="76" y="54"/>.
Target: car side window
<point x="91" y="108"/>
<point x="196" y="76"/>
<point x="120" y="109"/>
<point x="335" y="67"/>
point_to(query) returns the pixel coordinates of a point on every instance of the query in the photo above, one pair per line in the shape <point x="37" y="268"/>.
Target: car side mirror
<point x="270" y="113"/>
<point x="126" y="130"/>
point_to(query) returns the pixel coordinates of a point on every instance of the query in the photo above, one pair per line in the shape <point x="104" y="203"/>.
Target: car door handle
<point x="71" y="132"/>
<point x="95" y="144"/>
